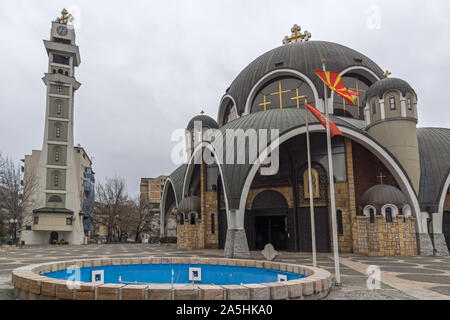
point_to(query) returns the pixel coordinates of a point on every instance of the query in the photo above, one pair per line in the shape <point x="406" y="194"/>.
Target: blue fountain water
<point x="162" y="273"/>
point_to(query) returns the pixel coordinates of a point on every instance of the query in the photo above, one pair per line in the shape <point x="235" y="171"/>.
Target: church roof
<point x="383" y="194"/>
<point x="434" y="150"/>
<point x="304" y="57"/>
<point x="379" y="88"/>
<point x="190" y="204"/>
<point x="206" y="121"/>
<point x="283" y="119"/>
<point x="177" y="178"/>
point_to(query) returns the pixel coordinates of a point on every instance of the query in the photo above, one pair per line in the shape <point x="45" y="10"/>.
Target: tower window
<point x="389" y="215"/>
<point x="213" y="223"/>
<point x="409" y="104"/>
<point x="36" y="219"/>
<point x="58" y="109"/>
<point x="57" y="156"/>
<point x="374" y="107"/>
<point x="58" y="132"/>
<point x="56" y="182"/>
<point x="372" y="216"/>
<point x="392" y="102"/>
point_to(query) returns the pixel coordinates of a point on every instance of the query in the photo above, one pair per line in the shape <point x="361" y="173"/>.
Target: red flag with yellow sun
<point x="334" y="82"/>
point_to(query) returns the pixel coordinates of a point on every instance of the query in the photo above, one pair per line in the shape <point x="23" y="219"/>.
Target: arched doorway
<point x="269" y="211"/>
<point x="53" y="237"/>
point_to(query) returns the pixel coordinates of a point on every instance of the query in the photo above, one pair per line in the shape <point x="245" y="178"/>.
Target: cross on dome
<point x="65" y="17"/>
<point x="296" y="35"/>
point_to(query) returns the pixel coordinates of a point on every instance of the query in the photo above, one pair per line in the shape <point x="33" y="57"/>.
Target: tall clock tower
<point x="56" y="212"/>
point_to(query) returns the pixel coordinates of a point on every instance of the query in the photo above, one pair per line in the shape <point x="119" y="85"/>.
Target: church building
<point x="391" y="178"/>
<point x="60" y="209"/>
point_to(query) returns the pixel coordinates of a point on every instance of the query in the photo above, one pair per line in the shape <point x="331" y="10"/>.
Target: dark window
<point x="392" y="102"/>
<point x="60" y="71"/>
<point x="65" y="41"/>
<point x="389" y="215"/>
<point x="58" y="109"/>
<point x="69" y="221"/>
<point x="66" y="73"/>
<point x="181" y="217"/>
<point x="192" y="218"/>
<point x="374" y="107"/>
<point x="36" y="219"/>
<point x="372" y="215"/>
<point x="340" y="224"/>
<point x="213" y="223"/>
<point x="61" y="59"/>
<point x="55" y="199"/>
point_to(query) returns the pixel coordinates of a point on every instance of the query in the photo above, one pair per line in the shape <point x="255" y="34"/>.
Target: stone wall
<point x="381" y="238"/>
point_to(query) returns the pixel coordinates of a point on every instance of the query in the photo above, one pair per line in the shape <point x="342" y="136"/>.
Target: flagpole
<point x="331" y="179"/>
<point x="311" y="195"/>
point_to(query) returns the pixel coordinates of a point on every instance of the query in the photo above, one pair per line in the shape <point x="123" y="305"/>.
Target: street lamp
<point x="14" y="222"/>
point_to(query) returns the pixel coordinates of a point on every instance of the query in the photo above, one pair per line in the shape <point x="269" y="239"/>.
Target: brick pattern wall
<point x="397" y="238"/>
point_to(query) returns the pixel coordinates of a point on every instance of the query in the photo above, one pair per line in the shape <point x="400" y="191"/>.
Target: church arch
<point x="168" y="203"/>
<point x="225" y="102"/>
<point x="273" y="75"/>
<point x="385" y="157"/>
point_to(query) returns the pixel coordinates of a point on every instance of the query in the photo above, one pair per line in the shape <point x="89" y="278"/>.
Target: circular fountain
<point x="163" y="278"/>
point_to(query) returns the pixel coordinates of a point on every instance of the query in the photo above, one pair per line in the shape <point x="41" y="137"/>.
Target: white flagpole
<point x="311" y="193"/>
<point x="331" y="178"/>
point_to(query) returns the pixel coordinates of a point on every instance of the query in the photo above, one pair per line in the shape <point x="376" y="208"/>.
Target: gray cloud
<point x="149" y="66"/>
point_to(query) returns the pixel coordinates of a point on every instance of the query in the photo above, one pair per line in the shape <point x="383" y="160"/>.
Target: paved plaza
<point x="403" y="278"/>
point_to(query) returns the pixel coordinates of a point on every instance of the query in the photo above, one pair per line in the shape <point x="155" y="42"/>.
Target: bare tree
<point x="15" y="192"/>
<point x="111" y="201"/>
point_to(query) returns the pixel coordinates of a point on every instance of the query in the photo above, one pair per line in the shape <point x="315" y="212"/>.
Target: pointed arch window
<point x="409" y="102"/>
<point x="374" y="107"/>
<point x="372" y="215"/>
<point x="388" y="214"/>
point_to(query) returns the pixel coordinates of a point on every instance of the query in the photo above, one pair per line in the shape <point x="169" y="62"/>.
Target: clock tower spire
<point x="56" y="214"/>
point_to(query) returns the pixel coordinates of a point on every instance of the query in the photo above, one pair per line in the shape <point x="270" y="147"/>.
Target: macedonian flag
<point x="334" y="130"/>
<point x="334" y="82"/>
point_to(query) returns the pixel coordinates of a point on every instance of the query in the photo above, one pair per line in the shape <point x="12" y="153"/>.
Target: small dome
<point x="382" y="194"/>
<point x="207" y="122"/>
<point x="379" y="88"/>
<point x="190" y="204"/>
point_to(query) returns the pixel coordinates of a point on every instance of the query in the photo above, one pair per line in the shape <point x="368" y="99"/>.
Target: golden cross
<point x="357" y="90"/>
<point x="381" y="177"/>
<point x="265" y="103"/>
<point x="298" y="98"/>
<point x="280" y="93"/>
<point x="387" y="73"/>
<point x="202" y="112"/>
<point x="296" y="35"/>
<point x="65" y="17"/>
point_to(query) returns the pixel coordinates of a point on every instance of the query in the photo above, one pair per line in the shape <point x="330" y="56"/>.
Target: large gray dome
<point x="304" y="57"/>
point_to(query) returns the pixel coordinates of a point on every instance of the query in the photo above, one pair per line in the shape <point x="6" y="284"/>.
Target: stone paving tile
<point x="426" y="278"/>
<point x="411" y="270"/>
<point x="442" y="290"/>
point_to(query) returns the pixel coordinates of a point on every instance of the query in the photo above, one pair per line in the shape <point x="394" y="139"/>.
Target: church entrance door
<point x="446" y="227"/>
<point x="270" y="229"/>
<point x="322" y="230"/>
<point x="53" y="237"/>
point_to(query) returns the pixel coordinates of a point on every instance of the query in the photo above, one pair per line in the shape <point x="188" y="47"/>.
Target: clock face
<point x="62" y="31"/>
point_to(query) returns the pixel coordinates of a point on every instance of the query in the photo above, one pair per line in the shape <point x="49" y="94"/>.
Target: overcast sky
<point x="148" y="67"/>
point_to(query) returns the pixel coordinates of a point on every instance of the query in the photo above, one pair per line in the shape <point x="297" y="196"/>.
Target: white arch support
<point x="274" y="74"/>
<point x="380" y="152"/>
<point x="162" y="216"/>
<point x="444" y="194"/>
